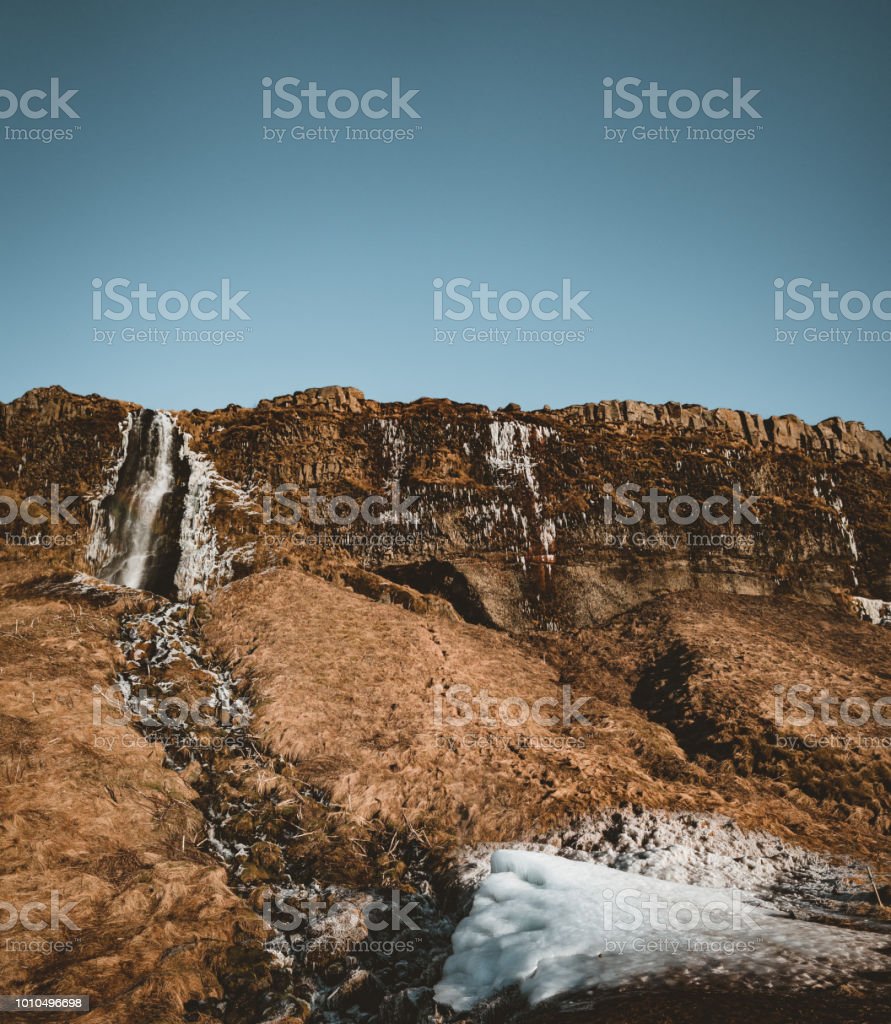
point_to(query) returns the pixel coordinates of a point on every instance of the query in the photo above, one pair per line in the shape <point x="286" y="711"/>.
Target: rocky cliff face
<point x="508" y="514"/>
<point x="50" y="436"/>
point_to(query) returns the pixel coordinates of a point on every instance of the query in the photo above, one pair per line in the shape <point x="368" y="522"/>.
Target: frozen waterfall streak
<point x="510" y="457"/>
<point x="394" y="449"/>
<point x="832" y="498"/>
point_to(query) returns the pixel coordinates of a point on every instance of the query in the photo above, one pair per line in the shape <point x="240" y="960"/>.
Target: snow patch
<point x="873" y="610"/>
<point x="553" y="926"/>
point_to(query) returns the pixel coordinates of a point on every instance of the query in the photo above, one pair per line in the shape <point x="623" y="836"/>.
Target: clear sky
<point x="508" y="180"/>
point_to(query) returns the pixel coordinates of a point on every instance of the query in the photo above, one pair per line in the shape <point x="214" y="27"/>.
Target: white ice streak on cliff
<point x="199" y="559"/>
<point x="874" y="610"/>
<point x="510" y="457"/>
<point x="394" y="448"/>
<point x="843" y="524"/>
<point x="99" y="549"/>
<point x="202" y="562"/>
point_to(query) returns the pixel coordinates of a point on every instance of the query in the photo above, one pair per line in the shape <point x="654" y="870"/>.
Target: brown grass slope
<point x="346" y="689"/>
<point x="679" y="715"/>
<point x="89" y="812"/>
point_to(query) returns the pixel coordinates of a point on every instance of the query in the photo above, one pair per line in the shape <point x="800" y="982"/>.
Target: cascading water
<point x="152" y="527"/>
<point x="155" y="480"/>
<point x="137" y="524"/>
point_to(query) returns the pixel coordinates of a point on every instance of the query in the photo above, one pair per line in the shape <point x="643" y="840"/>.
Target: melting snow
<point x="554" y="926"/>
<point x="873" y="610"/>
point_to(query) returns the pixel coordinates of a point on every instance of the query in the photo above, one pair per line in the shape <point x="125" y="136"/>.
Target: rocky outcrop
<point x="330" y="399"/>
<point x="50" y="434"/>
<point x="833" y="438"/>
<point x="509" y="510"/>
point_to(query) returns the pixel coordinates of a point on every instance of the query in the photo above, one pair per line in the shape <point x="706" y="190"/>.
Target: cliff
<point x="508" y="516"/>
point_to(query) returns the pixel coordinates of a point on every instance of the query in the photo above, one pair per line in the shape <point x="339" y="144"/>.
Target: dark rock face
<point x="435" y="577"/>
<point x="50" y="436"/>
<point x="512" y="502"/>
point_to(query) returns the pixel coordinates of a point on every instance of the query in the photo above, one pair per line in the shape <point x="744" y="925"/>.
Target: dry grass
<point x="679" y="717"/>
<point x="345" y="688"/>
<point x="90" y="813"/>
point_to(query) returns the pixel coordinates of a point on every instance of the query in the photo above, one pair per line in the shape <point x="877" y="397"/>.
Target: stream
<point x="340" y="947"/>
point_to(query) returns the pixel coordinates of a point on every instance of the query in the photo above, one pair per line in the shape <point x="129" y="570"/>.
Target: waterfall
<point x="151" y="527"/>
<point x="155" y="480"/>
<point x="137" y="523"/>
<point x="510" y="456"/>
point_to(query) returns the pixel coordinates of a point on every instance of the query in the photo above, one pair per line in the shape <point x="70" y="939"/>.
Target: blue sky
<point x="507" y="180"/>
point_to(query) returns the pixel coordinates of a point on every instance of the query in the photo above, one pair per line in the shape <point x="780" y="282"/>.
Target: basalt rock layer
<point x="509" y="512"/>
